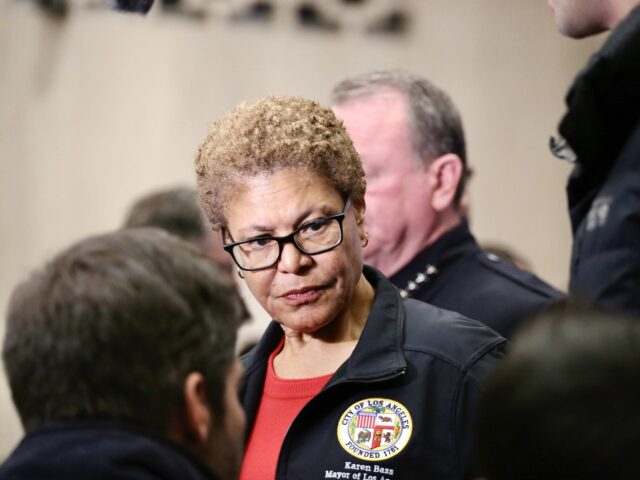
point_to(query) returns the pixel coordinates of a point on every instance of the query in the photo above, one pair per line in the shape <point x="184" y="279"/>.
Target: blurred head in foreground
<point x="564" y="404"/>
<point x="135" y="328"/>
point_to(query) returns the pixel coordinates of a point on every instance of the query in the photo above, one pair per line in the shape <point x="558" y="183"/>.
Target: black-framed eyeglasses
<point x="311" y="238"/>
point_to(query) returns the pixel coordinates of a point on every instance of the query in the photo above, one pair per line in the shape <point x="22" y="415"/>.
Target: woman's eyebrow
<point x="323" y="211"/>
<point x="258" y="229"/>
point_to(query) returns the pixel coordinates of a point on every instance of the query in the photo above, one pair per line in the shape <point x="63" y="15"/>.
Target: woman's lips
<point x="302" y="295"/>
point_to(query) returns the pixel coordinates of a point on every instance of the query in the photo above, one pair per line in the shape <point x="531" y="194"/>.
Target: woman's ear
<point x="445" y="173"/>
<point x="198" y="416"/>
<point x="359" y="206"/>
<point x="224" y="234"/>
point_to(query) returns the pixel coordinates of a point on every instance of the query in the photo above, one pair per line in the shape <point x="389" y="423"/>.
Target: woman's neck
<point x="307" y="355"/>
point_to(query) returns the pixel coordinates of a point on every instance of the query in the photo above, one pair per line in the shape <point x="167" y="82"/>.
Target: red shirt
<point x="282" y="399"/>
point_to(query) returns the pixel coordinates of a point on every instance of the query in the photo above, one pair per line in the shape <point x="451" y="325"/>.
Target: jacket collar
<point x="601" y="102"/>
<point x="378" y="353"/>
<point x="453" y="243"/>
<point x="101" y="450"/>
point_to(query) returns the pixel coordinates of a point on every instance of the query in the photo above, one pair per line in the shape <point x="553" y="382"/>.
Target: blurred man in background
<point x="177" y="211"/>
<point x="410" y="138"/>
<point x="119" y="355"/>
<point x="564" y="403"/>
<point x="601" y="133"/>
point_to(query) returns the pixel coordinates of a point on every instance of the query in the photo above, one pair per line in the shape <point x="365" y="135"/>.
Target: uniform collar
<point x="450" y="245"/>
<point x="378" y="353"/>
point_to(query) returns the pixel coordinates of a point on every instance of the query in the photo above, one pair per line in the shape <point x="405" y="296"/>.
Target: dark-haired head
<point x="563" y="405"/>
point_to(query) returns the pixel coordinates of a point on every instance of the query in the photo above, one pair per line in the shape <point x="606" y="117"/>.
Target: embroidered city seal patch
<point x="375" y="429"/>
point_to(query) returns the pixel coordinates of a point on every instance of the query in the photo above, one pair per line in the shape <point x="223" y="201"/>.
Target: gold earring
<point x="240" y="274"/>
<point x="365" y="240"/>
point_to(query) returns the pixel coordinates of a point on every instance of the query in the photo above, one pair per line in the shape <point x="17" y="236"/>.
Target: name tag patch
<point x="375" y="429"/>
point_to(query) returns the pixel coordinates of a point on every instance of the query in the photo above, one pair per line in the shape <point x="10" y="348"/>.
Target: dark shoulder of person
<point x="516" y="277"/>
<point x="447" y="335"/>
<point x="495" y="292"/>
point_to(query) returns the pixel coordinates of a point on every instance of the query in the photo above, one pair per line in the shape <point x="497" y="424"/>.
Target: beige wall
<point x="102" y="107"/>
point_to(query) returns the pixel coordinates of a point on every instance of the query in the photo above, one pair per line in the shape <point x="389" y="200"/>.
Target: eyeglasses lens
<point x="315" y="237"/>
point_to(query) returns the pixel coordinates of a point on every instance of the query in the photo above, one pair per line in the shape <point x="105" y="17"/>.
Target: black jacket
<point x="476" y="284"/>
<point x="99" y="451"/>
<point x="411" y="385"/>
<point x="602" y="127"/>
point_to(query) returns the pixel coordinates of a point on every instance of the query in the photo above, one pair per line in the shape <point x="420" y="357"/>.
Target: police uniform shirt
<point x="456" y="274"/>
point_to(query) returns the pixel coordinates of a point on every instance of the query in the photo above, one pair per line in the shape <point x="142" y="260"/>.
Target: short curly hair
<point x="270" y="135"/>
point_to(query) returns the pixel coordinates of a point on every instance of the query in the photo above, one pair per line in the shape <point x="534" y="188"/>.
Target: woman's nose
<point x="292" y="259"/>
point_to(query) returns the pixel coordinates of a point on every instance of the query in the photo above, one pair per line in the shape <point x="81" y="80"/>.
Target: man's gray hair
<point x="175" y="210"/>
<point x="436" y="127"/>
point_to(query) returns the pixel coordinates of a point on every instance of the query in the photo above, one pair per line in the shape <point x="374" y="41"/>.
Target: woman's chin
<point x="302" y="323"/>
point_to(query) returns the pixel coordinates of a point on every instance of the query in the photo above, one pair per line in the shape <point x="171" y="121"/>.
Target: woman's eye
<point x="257" y="244"/>
<point x="261" y="242"/>
<point x="315" y="227"/>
